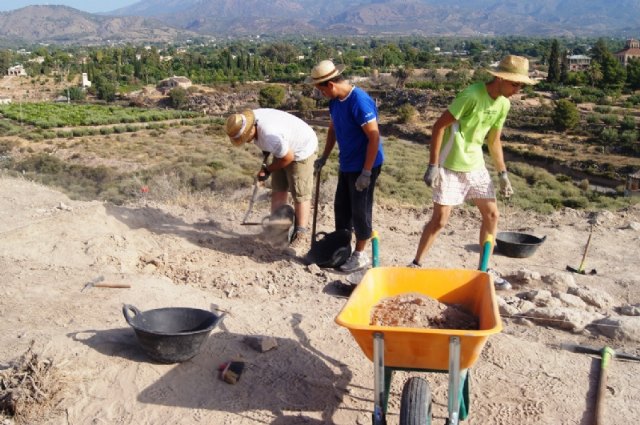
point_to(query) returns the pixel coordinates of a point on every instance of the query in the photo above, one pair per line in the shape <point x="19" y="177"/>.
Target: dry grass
<point x="29" y="388"/>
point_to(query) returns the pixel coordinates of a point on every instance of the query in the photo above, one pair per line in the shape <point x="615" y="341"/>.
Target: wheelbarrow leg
<point x="454" y="380"/>
<point x="379" y="402"/>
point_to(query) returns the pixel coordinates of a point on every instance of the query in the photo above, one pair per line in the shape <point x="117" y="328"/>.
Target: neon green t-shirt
<point x="476" y="113"/>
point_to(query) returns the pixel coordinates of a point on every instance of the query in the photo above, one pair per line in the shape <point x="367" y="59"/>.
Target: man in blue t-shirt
<point x="354" y="126"/>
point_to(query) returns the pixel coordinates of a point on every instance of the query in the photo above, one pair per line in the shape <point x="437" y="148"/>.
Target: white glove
<point x="505" y="185"/>
<point x="363" y="181"/>
<point x="431" y="176"/>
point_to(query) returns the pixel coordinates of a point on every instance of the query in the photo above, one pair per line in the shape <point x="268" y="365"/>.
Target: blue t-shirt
<point x="348" y="116"/>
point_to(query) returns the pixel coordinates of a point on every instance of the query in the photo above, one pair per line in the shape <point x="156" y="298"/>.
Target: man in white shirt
<point x="293" y="144"/>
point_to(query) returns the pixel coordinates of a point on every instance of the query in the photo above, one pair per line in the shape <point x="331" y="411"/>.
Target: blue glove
<point x="318" y="164"/>
<point x="431" y="176"/>
<point x="363" y="181"/>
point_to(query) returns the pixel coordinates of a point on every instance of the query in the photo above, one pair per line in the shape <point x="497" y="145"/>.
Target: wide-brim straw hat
<point x="324" y="71"/>
<point x="238" y="127"/>
<point x="513" y="68"/>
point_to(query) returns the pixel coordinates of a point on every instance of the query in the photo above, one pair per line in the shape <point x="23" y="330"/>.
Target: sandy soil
<point x="195" y="253"/>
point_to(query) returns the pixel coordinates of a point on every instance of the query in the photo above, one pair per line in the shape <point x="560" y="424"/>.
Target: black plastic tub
<point x="329" y="250"/>
<point x="172" y="334"/>
<point x="518" y="245"/>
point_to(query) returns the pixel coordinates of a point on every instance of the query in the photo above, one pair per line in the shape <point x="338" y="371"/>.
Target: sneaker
<point x="301" y="243"/>
<point x="358" y="261"/>
<point x="498" y="282"/>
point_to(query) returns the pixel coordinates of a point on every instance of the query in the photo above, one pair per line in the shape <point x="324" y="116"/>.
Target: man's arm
<point x="279" y="163"/>
<point x="331" y="141"/>
<point x="437" y="133"/>
<point x="373" y="134"/>
<point x="495" y="149"/>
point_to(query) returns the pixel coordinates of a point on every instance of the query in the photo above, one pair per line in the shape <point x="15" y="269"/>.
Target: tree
<point x="178" y="97"/>
<point x="633" y="73"/>
<point x="565" y="116"/>
<point x="271" y="96"/>
<point x="554" y="63"/>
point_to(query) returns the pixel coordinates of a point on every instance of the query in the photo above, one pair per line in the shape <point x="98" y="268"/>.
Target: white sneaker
<point x="357" y="261"/>
<point x="498" y="282"/>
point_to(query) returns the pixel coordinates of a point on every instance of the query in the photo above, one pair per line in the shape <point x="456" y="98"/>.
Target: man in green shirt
<point x="456" y="169"/>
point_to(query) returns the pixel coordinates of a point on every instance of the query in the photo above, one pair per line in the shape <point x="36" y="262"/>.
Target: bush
<point x="406" y="113"/>
<point x="565" y="115"/>
<point x="271" y="96"/>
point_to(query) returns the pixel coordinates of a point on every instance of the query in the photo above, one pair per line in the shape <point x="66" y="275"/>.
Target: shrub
<point x="565" y="115"/>
<point x="271" y="96"/>
<point x="406" y="113"/>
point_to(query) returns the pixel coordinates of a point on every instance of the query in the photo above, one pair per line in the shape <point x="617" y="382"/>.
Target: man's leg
<point x="278" y="199"/>
<point x="490" y="215"/>
<point x="302" y="213"/>
<point x="439" y="219"/>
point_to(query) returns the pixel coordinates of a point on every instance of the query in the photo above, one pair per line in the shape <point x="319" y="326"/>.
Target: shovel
<point x="254" y="195"/>
<point x="607" y="354"/>
<point x="580" y="269"/>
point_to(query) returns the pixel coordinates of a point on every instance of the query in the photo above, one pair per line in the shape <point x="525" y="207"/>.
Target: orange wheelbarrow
<point x="422" y="349"/>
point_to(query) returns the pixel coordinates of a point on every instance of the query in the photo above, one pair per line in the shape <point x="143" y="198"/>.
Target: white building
<point x="85" y="81"/>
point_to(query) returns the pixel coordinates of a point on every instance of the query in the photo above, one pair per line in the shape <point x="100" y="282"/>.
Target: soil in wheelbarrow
<point x="420" y="311"/>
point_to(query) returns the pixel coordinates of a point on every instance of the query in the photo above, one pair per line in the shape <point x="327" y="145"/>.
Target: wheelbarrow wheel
<point x="415" y="405"/>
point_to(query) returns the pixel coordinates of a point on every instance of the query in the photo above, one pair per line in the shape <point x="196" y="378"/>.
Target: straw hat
<point x="513" y="68"/>
<point x="238" y="127"/>
<point x="324" y="71"/>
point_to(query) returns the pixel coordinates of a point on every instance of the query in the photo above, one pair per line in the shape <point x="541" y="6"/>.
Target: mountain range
<point x="162" y="20"/>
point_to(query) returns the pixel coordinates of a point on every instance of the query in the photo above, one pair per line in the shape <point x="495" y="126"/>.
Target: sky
<point x="91" y="6"/>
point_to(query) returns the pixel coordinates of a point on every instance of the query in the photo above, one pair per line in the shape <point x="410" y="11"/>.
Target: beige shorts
<point x="296" y="178"/>
<point x="455" y="187"/>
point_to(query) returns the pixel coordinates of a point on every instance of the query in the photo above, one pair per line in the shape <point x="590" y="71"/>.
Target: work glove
<point x="264" y="173"/>
<point x="363" y="181"/>
<point x="318" y="164"/>
<point x="505" y="185"/>
<point x="431" y="176"/>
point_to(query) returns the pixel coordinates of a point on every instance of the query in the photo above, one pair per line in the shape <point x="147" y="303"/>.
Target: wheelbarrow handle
<point x="486" y="253"/>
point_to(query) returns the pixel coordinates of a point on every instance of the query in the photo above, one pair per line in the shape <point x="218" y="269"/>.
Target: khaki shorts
<point x="455" y="187"/>
<point x="296" y="178"/>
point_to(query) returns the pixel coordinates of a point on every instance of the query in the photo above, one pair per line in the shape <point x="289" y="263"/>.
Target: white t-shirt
<point x="279" y="132"/>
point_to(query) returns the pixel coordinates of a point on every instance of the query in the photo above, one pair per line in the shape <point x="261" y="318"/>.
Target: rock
<point x="630" y="310"/>
<point x="560" y="280"/>
<point x="632" y="225"/>
<point x="261" y="344"/>
<point x="593" y="297"/>
<point x="622" y="328"/>
<point x="571" y="300"/>
<point x="525" y="276"/>
<point x="563" y="318"/>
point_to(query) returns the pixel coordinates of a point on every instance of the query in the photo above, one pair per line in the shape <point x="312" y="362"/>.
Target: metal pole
<point x="378" y="377"/>
<point x="454" y="380"/>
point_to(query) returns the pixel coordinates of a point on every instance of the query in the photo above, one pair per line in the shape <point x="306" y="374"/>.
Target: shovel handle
<point x="607" y="356"/>
<point x="586" y="248"/>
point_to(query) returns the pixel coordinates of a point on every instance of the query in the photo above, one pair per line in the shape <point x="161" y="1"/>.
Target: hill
<point x="161" y="21"/>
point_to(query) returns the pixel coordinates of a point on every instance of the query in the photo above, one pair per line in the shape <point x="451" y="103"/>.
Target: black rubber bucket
<point x="173" y="334"/>
<point x="330" y="250"/>
<point x="518" y="245"/>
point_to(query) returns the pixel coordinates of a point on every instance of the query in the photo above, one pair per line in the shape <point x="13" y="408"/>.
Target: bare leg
<point x="439" y="219"/>
<point x="361" y="245"/>
<point x="302" y="213"/>
<point x="278" y="199"/>
<point x="490" y="215"/>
